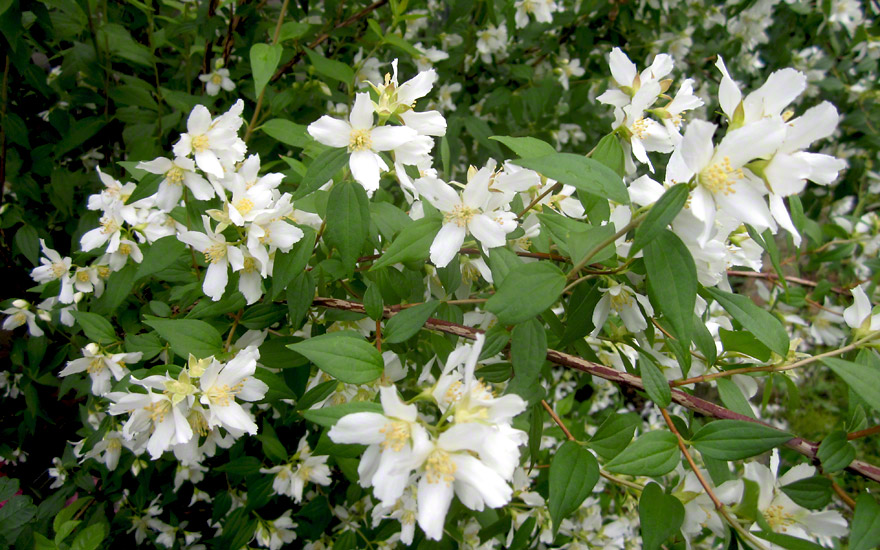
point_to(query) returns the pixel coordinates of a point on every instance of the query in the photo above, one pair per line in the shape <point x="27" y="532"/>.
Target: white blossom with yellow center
<point x="219" y="254"/>
<point x="362" y="139"/>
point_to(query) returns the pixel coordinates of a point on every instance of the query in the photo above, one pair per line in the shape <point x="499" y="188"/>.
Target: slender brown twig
<point x="788" y="278"/>
<point x="863" y="433"/>
<point x="701" y="406"/>
<point x="324" y="36"/>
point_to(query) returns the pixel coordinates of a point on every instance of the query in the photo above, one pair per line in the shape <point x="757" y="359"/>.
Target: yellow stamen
<point x="440" y="467"/>
<point x="396" y="435"/>
<point x="360" y="140"/>
<point x="720" y="177"/>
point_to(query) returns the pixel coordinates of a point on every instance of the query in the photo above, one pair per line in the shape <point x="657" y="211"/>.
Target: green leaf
<point x="97" y="328"/>
<point x="528" y="350"/>
<point x="373" y="303"/>
<point x="66" y="529"/>
<point x="330" y="68"/>
<point x="66" y="514"/>
<point x="762" y="324"/>
<point x="787" y="541"/>
<point x="272" y="446"/>
<point x="527" y="290"/>
<point x="655" y="383"/>
<point x="812" y="492"/>
<point x="836" y="452"/>
<point x="264" y="61"/>
<point x="501" y="262"/>
<point x="672" y="282"/>
<point x="526" y="147"/>
<point x="614" y="434"/>
<point x="408" y="322"/>
<point x="188" y="336"/>
<point x="348" y="221"/>
<point x="610" y="153"/>
<point x="287" y="132"/>
<point x="733" y="398"/>
<point x="652" y="454"/>
<point x="865" y="533"/>
<point x="321" y="170"/>
<point x="863" y="378"/>
<point x="402" y="45"/>
<point x="573" y="474"/>
<point x="27" y="241"/>
<point x="290" y="265"/>
<point x="161" y="254"/>
<point x="585" y="174"/>
<point x="120" y="43"/>
<point x="411" y="245"/>
<point x="293" y="30"/>
<point x="661" y="215"/>
<point x="660" y="516"/>
<point x="737" y="439"/>
<point x="344" y="355"/>
<point x="581" y="243"/>
<point x="90" y="538"/>
<point x="328" y="416"/>
<point x="743" y="341"/>
<point x="147" y="187"/>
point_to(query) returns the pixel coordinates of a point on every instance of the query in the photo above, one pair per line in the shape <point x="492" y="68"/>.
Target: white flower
<point x="101" y="366"/>
<point x="221" y="384"/>
<point x="215" y="144"/>
<point x="179" y="172"/>
<point x="362" y="139"/>
<point x="541" y="9"/>
<point x="127" y="249"/>
<point x="110" y="233"/>
<point x="700" y="512"/>
<point x="476" y="211"/>
<point x="54" y="267"/>
<point x="781" y="513"/>
<point x="722" y="181"/>
<point x="291" y="478"/>
<point x="628" y="79"/>
<point x="152" y="413"/>
<point x="277" y="533"/>
<point x="619" y="298"/>
<point x="217" y="79"/>
<point x="857" y="315"/>
<point x="19" y="315"/>
<point x="392" y="438"/>
<point x="492" y="40"/>
<point x="218" y="254"/>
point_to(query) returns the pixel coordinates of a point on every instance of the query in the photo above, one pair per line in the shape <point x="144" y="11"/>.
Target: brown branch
<point x="863" y="433"/>
<point x="472" y="251"/>
<point x="774" y="277"/>
<point x="706" y="408"/>
<point x="324" y="36"/>
<point x="848" y="500"/>
<point x="687" y="455"/>
<point x="556" y="419"/>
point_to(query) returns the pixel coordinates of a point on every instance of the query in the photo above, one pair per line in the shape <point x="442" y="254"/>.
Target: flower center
<point x="96" y="365"/>
<point x="103" y="271"/>
<point x="158" y="410"/>
<point x="396" y="435"/>
<point x="360" y="140"/>
<point x="460" y="215"/>
<point x="250" y="264"/>
<point x="640" y="128"/>
<point x="19" y="318"/>
<point x="59" y="269"/>
<point x="720" y="177"/>
<point x="114" y="444"/>
<point x="223" y="395"/>
<point x="82" y="276"/>
<point x="217" y="79"/>
<point x="197" y="422"/>
<point x="778" y="519"/>
<point x="109" y="225"/>
<point x="620" y="301"/>
<point x="244" y="205"/>
<point x="125" y="249"/>
<point x="215" y="253"/>
<point x="174" y="175"/>
<point x="200" y="143"/>
<point x="440" y="467"/>
<point x="304" y="472"/>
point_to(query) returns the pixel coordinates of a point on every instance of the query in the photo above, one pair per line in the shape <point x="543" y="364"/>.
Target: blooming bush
<point x="531" y="274"/>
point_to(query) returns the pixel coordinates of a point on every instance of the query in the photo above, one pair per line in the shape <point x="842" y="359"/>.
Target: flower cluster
<point x="415" y="467"/>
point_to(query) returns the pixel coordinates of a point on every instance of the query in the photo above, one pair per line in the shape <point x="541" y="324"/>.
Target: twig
<point x="779" y="367"/>
<point x="556" y="419"/>
<point x="719" y="507"/>
<point x="538" y="199"/>
<point x="848" y="500"/>
<point x="790" y="279"/>
<point x="253" y="123"/>
<point x="235" y="321"/>
<point x="3" y="99"/>
<point x="701" y="406"/>
<point x="324" y="36"/>
<point x="609" y="241"/>
<point x="863" y="433"/>
<point x="379" y="335"/>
